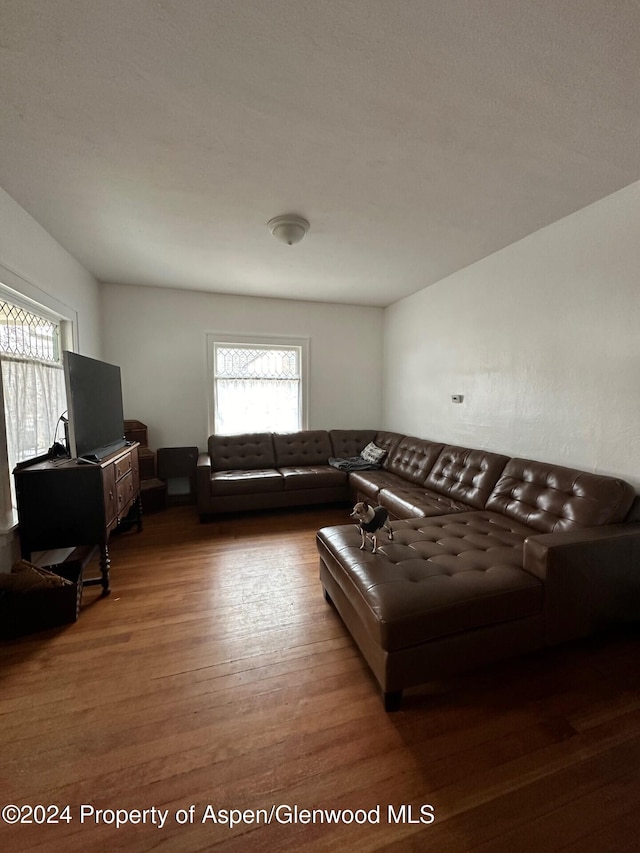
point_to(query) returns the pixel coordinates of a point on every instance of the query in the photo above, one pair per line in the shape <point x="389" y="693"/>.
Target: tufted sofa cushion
<point x="254" y="481"/>
<point x="308" y="447"/>
<point x="349" y="442"/>
<point x="552" y="499"/>
<point x="246" y="452"/>
<point x="438" y="577"/>
<point x="369" y="484"/>
<point x="312" y="477"/>
<point x="409" y="502"/>
<point x="466" y="475"/>
<point x="387" y="441"/>
<point x="413" y="458"/>
<point x="424" y="478"/>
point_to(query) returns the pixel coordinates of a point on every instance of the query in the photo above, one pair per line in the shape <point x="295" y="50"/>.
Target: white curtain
<point x="257" y="405"/>
<point x="34" y="398"/>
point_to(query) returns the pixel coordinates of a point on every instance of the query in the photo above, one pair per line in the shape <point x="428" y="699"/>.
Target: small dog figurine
<point x="370" y="520"/>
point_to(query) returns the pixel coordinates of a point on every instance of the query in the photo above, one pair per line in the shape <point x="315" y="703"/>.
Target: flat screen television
<point x="94" y="403"/>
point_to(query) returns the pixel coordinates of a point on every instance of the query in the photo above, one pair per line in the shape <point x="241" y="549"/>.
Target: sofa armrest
<point x="203" y="482"/>
<point x="591" y="578"/>
<point x="204" y="461"/>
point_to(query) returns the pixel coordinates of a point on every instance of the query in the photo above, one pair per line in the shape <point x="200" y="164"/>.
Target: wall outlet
<point x="457" y="398"/>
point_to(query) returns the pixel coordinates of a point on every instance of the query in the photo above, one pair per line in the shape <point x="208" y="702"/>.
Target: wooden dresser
<point x="64" y="503"/>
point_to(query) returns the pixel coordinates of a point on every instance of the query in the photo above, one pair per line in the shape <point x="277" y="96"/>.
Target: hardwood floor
<point x="215" y="677"/>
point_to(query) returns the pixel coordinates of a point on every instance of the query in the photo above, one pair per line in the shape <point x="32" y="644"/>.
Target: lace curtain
<point x="257" y="405"/>
<point x="34" y="398"/>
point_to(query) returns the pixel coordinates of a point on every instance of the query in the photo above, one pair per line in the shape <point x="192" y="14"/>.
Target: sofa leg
<point x="327" y="597"/>
<point x="392" y="700"/>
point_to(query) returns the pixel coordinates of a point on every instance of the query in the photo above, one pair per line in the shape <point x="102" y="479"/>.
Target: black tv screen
<point x="94" y="402"/>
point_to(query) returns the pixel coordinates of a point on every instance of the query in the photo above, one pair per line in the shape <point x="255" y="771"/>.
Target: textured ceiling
<point x="154" y="139"/>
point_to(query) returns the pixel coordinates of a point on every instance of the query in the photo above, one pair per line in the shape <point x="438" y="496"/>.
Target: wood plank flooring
<point x="215" y="677"/>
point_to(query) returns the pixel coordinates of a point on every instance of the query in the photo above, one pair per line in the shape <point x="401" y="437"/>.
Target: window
<point x="258" y="385"/>
<point x="32" y="381"/>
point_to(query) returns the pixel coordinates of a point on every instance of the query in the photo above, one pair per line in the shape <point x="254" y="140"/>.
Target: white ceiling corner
<point x="155" y="140"/>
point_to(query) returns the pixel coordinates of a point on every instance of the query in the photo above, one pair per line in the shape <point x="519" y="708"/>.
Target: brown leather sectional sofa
<point x="491" y="556"/>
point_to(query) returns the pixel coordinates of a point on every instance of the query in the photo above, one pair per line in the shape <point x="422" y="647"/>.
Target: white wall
<point x="32" y="262"/>
<point x="158" y="337"/>
<point x="543" y="340"/>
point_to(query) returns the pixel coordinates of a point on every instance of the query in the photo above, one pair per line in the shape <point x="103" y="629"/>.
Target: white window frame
<point x="268" y="341"/>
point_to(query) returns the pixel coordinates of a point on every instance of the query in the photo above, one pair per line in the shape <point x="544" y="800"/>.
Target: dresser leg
<point x="105" y="565"/>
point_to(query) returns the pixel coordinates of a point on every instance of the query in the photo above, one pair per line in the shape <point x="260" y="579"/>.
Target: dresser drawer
<point x="125" y="493"/>
<point x="122" y="466"/>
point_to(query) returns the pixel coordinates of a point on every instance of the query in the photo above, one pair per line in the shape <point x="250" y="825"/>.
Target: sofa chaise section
<point x="549" y="558"/>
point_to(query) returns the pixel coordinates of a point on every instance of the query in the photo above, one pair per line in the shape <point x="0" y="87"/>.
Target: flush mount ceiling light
<point x="289" y="228"/>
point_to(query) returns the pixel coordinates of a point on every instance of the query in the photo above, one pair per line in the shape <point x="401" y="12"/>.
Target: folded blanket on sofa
<point x="353" y="463"/>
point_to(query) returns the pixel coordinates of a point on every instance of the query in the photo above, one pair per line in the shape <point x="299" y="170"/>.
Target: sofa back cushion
<point x="413" y="458"/>
<point x="387" y="441"/>
<point x="466" y="475"/>
<point x="307" y="447"/>
<point x="246" y="452"/>
<point x="551" y="498"/>
<point x="349" y="442"/>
